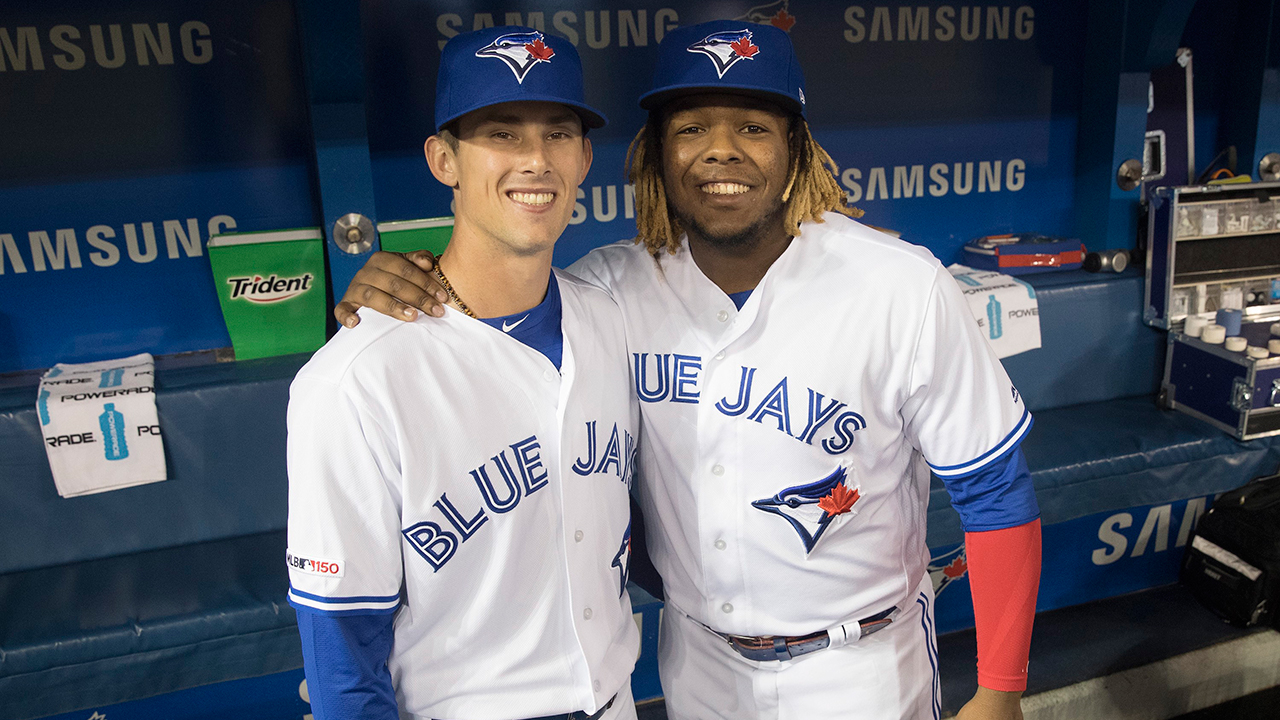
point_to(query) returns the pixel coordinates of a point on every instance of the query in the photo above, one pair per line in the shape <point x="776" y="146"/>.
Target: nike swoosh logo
<point x="506" y="328"/>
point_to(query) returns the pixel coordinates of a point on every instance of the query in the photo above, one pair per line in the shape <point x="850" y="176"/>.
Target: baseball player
<point x="799" y="376"/>
<point x="459" y="531"/>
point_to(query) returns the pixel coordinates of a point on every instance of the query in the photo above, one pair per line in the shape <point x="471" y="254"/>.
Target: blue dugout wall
<point x="134" y="130"/>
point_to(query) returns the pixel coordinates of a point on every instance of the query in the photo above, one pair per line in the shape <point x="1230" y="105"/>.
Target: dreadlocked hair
<point x="811" y="186"/>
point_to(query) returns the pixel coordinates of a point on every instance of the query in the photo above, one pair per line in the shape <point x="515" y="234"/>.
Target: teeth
<point x="533" y="198"/>
<point x="725" y="188"/>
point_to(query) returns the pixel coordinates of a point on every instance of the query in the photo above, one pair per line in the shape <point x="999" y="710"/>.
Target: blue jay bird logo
<point x="726" y="48"/>
<point x="520" y="51"/>
<point x="622" y="561"/>
<point x="947" y="568"/>
<point x="811" y="508"/>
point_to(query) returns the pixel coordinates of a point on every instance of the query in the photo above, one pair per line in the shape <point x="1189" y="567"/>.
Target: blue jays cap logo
<point x="622" y="561"/>
<point x="777" y="14"/>
<point x="520" y="51"/>
<point x="726" y="48"/>
<point x="947" y="568"/>
<point x="811" y="508"/>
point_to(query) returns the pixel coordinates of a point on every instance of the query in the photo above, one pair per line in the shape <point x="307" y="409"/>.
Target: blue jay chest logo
<point x="810" y="509"/>
<point x="726" y="48"/>
<point x="520" y="51"/>
<point x="622" y="561"/>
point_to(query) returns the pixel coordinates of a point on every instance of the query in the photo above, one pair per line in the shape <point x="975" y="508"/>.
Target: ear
<point x="442" y="161"/>
<point x="586" y="159"/>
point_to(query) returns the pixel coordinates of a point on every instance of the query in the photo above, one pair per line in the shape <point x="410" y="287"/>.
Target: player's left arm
<point x="968" y="420"/>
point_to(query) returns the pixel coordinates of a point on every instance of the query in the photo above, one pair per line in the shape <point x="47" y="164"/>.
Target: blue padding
<point x="224" y="436"/>
<point x="1094" y="345"/>
<point x="1119" y="454"/>
<point x="122" y="628"/>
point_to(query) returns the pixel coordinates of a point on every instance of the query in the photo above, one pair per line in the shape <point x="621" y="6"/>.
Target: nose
<point x="534" y="158"/>
<point x="722" y="145"/>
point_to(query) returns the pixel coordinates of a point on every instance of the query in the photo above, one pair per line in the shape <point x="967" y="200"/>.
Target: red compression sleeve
<point x="1004" y="576"/>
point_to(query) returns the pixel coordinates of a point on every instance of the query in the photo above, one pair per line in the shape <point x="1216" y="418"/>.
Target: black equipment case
<point x="1233" y="564"/>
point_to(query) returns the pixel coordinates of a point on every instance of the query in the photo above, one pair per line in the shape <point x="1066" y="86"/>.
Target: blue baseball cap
<point x="509" y="64"/>
<point x="730" y="56"/>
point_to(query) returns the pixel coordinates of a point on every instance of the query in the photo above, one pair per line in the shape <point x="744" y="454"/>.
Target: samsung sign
<point x="67" y="47"/>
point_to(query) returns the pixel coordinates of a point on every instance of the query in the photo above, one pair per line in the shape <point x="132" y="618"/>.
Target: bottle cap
<point x="1213" y="334"/>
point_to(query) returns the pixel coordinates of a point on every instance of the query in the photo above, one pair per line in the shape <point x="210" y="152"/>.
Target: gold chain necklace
<point x="452" y="295"/>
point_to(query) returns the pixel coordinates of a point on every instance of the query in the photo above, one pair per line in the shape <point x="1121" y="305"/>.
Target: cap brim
<point x="591" y="118"/>
<point x="658" y="98"/>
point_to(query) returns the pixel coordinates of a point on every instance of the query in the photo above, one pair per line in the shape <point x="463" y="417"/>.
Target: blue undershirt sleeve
<point x="345" y="659"/>
<point x="997" y="495"/>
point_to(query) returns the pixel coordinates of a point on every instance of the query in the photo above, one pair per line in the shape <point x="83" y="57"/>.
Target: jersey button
<point x="720" y="545"/>
<point x="577" y="536"/>
<point x="727" y="607"/>
<point x="586" y="614"/>
<point x="596" y="685"/>
<point x="717" y="470"/>
<point x="722" y="316"/>
<point x="548" y="376"/>
<point x="720" y="355"/>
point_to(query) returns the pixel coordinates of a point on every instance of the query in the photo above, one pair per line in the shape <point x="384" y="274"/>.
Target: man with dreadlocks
<point x="799" y="375"/>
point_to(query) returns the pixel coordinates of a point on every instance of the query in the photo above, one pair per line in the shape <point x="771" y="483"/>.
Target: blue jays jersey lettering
<point x="674" y="377"/>
<point x="458" y="494"/>
<point x="787" y="445"/>
<point x="726" y="49"/>
<point x="520" y="51"/>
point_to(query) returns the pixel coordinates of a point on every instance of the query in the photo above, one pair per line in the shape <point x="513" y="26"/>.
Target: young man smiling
<point x="799" y="375"/>
<point x="470" y="563"/>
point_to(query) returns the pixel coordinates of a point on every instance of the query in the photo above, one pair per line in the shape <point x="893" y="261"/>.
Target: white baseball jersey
<point x="784" y="446"/>
<point x="445" y="469"/>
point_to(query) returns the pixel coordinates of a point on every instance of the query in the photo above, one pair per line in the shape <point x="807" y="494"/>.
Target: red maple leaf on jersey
<point x="783" y="20"/>
<point x="957" y="568"/>
<point x="539" y="50"/>
<point x="838" y="501"/>
<point x="744" y="48"/>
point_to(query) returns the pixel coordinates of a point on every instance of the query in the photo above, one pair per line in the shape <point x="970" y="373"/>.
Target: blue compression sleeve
<point x="996" y="496"/>
<point x="345" y="659"/>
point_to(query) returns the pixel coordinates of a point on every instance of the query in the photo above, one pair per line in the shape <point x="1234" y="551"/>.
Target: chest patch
<point x="811" y="508"/>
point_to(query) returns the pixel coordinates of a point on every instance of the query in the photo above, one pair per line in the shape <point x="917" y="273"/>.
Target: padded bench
<point x="125" y="594"/>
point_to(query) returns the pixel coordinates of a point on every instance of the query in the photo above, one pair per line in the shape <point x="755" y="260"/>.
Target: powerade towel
<point x="100" y="427"/>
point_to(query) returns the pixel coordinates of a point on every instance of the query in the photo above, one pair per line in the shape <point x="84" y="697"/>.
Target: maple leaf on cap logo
<point x="783" y="20"/>
<point x="744" y="48"/>
<point x="957" y="568"/>
<point x="838" y="501"/>
<point x="539" y="50"/>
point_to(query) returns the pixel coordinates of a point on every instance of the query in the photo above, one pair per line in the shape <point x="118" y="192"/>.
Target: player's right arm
<point x="344" y="549"/>
<point x="399" y="285"/>
<point x="396" y="285"/>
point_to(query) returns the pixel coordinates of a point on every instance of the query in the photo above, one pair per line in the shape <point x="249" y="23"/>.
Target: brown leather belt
<point x="764" y="648"/>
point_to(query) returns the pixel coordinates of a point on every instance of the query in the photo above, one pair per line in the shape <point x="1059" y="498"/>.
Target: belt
<point x="777" y="647"/>
<point x="581" y="714"/>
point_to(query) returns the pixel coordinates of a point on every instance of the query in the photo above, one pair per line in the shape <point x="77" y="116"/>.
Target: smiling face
<point x="515" y="171"/>
<point x="725" y="163"/>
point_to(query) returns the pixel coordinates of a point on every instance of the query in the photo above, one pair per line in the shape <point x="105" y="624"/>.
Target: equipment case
<point x="1211" y="248"/>
<point x="1233" y="563"/>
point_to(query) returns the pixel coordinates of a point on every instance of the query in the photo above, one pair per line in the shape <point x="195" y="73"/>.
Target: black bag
<point x="1232" y="565"/>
